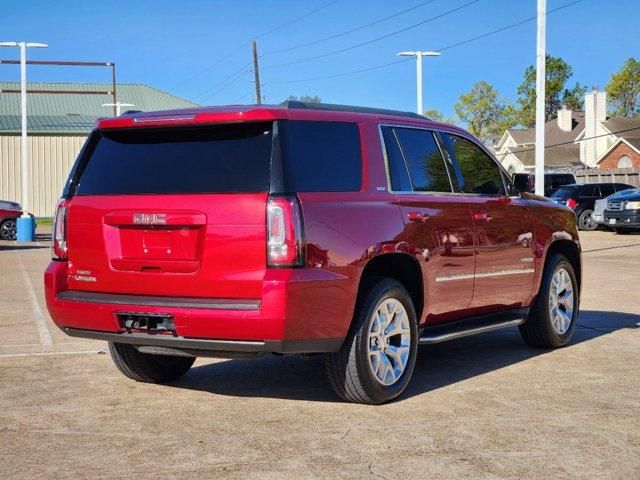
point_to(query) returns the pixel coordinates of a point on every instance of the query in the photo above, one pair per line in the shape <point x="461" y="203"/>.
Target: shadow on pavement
<point x="437" y="366"/>
<point x="17" y="247"/>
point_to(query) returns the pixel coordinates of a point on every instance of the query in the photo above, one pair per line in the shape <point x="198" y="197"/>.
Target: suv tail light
<point x="571" y="203"/>
<point x="59" y="240"/>
<point x="285" y="245"/>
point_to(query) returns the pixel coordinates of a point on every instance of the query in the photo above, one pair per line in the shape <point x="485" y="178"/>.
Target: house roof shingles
<point x="76" y="113"/>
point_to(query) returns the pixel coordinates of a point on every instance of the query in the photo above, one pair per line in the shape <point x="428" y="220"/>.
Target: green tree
<point x="624" y="89"/>
<point x="484" y="112"/>
<point x="557" y="73"/>
<point x="438" y="116"/>
<point x="304" y="98"/>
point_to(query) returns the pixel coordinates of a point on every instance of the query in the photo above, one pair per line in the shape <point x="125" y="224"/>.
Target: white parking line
<point x="41" y="324"/>
<point x="47" y="354"/>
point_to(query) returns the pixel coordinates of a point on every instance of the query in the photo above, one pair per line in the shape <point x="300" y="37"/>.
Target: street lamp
<point x="419" y="55"/>
<point x="118" y="105"/>
<point x="25" y="224"/>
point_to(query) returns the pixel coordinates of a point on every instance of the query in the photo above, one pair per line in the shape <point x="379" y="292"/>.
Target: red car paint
<point x="217" y="247"/>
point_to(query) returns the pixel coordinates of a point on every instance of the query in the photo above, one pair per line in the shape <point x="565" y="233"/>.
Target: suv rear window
<point x="566" y="191"/>
<point x="220" y="159"/>
<point x="320" y="156"/>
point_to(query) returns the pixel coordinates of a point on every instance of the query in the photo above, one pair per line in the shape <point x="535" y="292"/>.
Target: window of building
<point x="625" y="162"/>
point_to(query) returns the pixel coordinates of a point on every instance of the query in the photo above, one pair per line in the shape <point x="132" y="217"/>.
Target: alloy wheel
<point x="389" y="341"/>
<point x="561" y="301"/>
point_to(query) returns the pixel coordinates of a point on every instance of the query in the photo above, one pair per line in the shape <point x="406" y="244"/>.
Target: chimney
<point x="565" y="122"/>
<point x="595" y="112"/>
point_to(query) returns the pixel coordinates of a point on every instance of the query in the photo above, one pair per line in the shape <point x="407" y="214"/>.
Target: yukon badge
<point x="150" y="218"/>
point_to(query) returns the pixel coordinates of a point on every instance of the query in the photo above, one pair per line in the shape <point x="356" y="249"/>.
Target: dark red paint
<point x="218" y="248"/>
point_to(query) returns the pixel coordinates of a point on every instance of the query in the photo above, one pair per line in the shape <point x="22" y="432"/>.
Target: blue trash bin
<point x="26" y="229"/>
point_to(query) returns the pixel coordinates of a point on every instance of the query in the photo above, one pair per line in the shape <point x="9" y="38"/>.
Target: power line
<point x="235" y="78"/>
<point x="286" y="24"/>
<point x="244" y="44"/>
<point x="377" y="39"/>
<point x="383" y="65"/>
<point x="513" y="25"/>
<point x="342" y="34"/>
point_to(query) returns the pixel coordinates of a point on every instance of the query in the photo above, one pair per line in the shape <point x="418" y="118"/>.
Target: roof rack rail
<point x="347" y="108"/>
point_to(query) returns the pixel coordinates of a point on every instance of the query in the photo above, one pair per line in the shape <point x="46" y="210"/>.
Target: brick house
<point x="625" y="151"/>
<point x="576" y="139"/>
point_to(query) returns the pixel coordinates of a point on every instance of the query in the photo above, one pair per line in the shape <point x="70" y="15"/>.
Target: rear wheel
<point x="145" y="367"/>
<point x="586" y="222"/>
<point x="553" y="316"/>
<point x="377" y="358"/>
<point x="8" y="230"/>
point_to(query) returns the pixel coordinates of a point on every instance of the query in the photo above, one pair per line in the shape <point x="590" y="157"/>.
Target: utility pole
<point x="25" y="224"/>
<point x="256" y="73"/>
<point x="540" y="94"/>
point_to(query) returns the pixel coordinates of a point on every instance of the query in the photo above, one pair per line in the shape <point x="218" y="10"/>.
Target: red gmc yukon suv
<point x="357" y="233"/>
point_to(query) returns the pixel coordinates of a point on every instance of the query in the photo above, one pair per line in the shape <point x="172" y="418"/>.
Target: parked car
<point x="353" y="232"/>
<point x="581" y="198"/>
<point x="623" y="211"/>
<point x="526" y="182"/>
<point x="598" y="210"/>
<point x="9" y="212"/>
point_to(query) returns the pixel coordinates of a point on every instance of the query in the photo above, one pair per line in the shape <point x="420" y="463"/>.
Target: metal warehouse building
<point x="57" y="126"/>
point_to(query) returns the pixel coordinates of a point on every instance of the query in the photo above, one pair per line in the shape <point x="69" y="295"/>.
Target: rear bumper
<point x="300" y="311"/>
<point x="622" y="218"/>
<point x="210" y="346"/>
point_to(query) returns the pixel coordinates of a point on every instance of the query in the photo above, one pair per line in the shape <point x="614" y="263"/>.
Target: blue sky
<point x="176" y="45"/>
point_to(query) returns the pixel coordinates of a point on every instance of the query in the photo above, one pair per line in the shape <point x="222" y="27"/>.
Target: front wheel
<point x="8" y="230"/>
<point x="146" y="367"/>
<point x="553" y="316"/>
<point x="586" y="222"/>
<point x="377" y="358"/>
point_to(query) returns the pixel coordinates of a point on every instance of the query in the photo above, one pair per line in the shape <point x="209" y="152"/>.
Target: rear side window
<point x="424" y="160"/>
<point x="320" y="156"/>
<point x="221" y="159"/>
<point x="398" y="172"/>
<point x="589" y="191"/>
<point x="607" y="189"/>
<point x="480" y="174"/>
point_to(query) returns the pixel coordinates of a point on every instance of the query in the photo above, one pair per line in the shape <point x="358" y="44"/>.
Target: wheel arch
<point x="400" y="266"/>
<point x="570" y="250"/>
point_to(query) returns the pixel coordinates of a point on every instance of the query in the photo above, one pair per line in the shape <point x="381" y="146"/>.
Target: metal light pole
<point x="118" y="105"/>
<point x="419" y="55"/>
<point x="25" y="224"/>
<point x="540" y="95"/>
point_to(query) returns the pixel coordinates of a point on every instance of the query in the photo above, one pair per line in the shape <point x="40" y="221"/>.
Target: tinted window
<point x="556" y="181"/>
<point x="397" y="167"/>
<point x="589" y="191"/>
<point x="523" y="181"/>
<point x="479" y="172"/>
<point x="424" y="160"/>
<point x="565" y="192"/>
<point x="177" y="160"/>
<point x="622" y="186"/>
<point x="607" y="189"/>
<point x="320" y="156"/>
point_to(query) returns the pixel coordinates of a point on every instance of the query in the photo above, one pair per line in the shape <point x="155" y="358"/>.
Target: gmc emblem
<point x="150" y="218"/>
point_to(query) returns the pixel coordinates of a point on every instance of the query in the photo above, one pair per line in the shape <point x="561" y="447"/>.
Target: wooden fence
<point x="630" y="176"/>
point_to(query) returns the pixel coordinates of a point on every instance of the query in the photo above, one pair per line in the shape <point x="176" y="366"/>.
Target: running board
<point x="472" y="326"/>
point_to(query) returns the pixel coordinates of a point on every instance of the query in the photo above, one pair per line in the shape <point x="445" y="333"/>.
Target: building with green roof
<point x="58" y="125"/>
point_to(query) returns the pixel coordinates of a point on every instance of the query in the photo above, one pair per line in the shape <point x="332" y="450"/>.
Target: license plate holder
<point x="612" y="221"/>
<point x="143" y="322"/>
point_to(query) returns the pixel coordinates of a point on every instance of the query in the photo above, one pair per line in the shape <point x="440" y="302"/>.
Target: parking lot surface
<point x="480" y="407"/>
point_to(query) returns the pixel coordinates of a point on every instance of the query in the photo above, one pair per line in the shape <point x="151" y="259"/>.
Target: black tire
<point x="538" y="331"/>
<point x="622" y="231"/>
<point x="349" y="370"/>
<point x="585" y="222"/>
<point x="8" y="230"/>
<point x="145" y="367"/>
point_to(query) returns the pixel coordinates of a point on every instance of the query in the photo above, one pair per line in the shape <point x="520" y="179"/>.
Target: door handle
<point x="418" y="217"/>
<point x="482" y="217"/>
